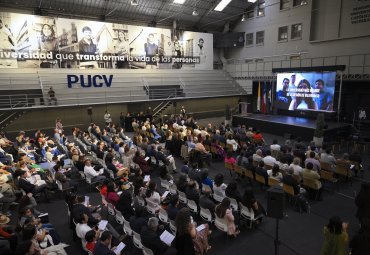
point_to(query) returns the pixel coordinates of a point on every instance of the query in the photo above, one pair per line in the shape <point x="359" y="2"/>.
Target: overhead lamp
<point x="179" y="1"/>
<point x="252" y="1"/>
<point x="195" y="12"/>
<point x="134" y="2"/>
<point x="243" y="18"/>
<point x="222" y="5"/>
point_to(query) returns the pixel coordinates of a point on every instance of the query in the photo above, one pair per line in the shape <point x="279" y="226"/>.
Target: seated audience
<point x="223" y="211"/>
<point x="206" y="202"/>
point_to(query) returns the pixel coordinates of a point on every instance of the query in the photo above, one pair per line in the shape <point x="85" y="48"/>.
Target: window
<point x="296" y="31"/>
<point x="260" y="37"/>
<point x="249" y="39"/>
<point x="283" y="34"/>
<point x="249" y="14"/>
<point x="284" y="4"/>
<point x="299" y="2"/>
<point x="261" y="8"/>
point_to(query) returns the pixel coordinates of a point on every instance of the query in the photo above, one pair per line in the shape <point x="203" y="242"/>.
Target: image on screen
<point x="305" y="91"/>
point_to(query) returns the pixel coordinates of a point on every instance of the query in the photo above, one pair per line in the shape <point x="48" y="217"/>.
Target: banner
<point x="28" y="41"/>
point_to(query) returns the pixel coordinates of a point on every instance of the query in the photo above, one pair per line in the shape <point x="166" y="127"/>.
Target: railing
<point x="146" y="85"/>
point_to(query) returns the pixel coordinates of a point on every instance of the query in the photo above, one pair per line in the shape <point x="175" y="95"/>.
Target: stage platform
<point x="293" y="126"/>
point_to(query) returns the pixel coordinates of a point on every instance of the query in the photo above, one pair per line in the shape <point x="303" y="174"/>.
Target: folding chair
<point x="249" y="215"/>
<point x="206" y="215"/>
<point x="192" y="206"/>
<point x="137" y="240"/>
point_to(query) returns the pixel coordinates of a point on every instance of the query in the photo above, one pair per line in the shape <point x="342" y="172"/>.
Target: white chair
<point x="192" y="206"/>
<point x="249" y="215"/>
<point x="151" y="207"/>
<point x="147" y="251"/>
<point x="163" y="216"/>
<point x="119" y="217"/>
<point x="173" y="227"/>
<point x="173" y="189"/>
<point x="127" y="228"/>
<point x="140" y="200"/>
<point x="233" y="204"/>
<point x="182" y="197"/>
<point x="111" y="210"/>
<point x="206" y="215"/>
<point x="137" y="240"/>
<point x="221" y="224"/>
<point x="165" y="184"/>
<point x="218" y="196"/>
<point x="153" y="160"/>
<point x="104" y="201"/>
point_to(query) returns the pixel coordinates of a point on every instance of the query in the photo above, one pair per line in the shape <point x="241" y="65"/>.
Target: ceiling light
<point x="195" y="13"/>
<point x="179" y="1"/>
<point x="243" y="18"/>
<point x="252" y="1"/>
<point x="222" y="5"/>
<point x="134" y="2"/>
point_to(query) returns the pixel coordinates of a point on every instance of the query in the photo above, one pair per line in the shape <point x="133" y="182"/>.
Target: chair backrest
<point x="111" y="210"/>
<point x="273" y="182"/>
<point x="229" y="166"/>
<point x="248" y="173"/>
<point x="275" y="154"/>
<point x="165" y="184"/>
<point x="173" y="227"/>
<point x="60" y="186"/>
<point x="218" y="196"/>
<point x="147" y="251"/>
<point x="206" y="214"/>
<point x="221" y="224"/>
<point x="288" y="189"/>
<point x="327" y="175"/>
<point x="246" y="213"/>
<point x="239" y="169"/>
<point x="192" y="206"/>
<point x="260" y="179"/>
<point x="343" y="170"/>
<point x="268" y="167"/>
<point x="310" y="183"/>
<point x="163" y="216"/>
<point x="119" y="217"/>
<point x="325" y="166"/>
<point x="234" y="204"/>
<point x="127" y="228"/>
<point x="182" y="197"/>
<point x="151" y="207"/>
<point x="137" y="240"/>
<point x="173" y="189"/>
<point x="230" y="147"/>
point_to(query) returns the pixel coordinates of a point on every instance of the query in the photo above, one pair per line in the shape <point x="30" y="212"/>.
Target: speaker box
<point x="89" y="110"/>
<point x="275" y="202"/>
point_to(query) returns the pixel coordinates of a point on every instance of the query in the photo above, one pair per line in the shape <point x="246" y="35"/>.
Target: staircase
<point x="161" y="108"/>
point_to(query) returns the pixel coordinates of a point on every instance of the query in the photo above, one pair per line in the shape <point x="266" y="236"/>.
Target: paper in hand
<point x="167" y="237"/>
<point x="119" y="248"/>
<point x="102" y="224"/>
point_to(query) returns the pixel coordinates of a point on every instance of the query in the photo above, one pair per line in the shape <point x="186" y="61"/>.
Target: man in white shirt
<point x="275" y="146"/>
<point x="268" y="159"/>
<point x="91" y="174"/>
<point x="82" y="228"/>
<point x="257" y="156"/>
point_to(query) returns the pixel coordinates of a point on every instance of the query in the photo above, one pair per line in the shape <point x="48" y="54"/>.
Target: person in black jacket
<point x="206" y="202"/>
<point x="139" y="220"/>
<point x="362" y="202"/>
<point x="261" y="170"/>
<point x="29" y="187"/>
<point x="192" y="192"/>
<point x="232" y="191"/>
<point x="183" y="241"/>
<point x="150" y="238"/>
<point x="360" y="243"/>
<point x="124" y="205"/>
<point x="102" y="246"/>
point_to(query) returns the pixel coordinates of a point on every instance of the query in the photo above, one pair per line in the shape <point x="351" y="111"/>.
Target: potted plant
<point x="319" y="131"/>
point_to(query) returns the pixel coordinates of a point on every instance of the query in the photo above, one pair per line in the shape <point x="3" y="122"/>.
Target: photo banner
<point x="28" y="41"/>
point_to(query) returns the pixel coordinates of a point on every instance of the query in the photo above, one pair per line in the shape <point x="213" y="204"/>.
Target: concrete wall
<point x="326" y="30"/>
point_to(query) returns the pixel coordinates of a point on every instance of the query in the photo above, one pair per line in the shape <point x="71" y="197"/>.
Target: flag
<point x="259" y="97"/>
<point x="263" y="104"/>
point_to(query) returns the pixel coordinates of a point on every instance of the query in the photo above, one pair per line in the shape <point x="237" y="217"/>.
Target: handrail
<point x="182" y="84"/>
<point x="145" y="83"/>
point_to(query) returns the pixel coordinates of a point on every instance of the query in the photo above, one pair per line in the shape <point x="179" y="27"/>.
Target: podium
<point x="243" y="108"/>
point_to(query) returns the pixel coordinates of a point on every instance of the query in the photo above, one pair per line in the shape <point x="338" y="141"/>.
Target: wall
<point x="330" y="31"/>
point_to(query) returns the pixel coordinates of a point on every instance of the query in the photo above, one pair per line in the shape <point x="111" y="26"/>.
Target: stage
<point x="290" y="126"/>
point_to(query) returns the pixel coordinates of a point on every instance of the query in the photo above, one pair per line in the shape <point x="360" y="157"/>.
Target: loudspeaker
<point x="275" y="202"/>
<point x="89" y="110"/>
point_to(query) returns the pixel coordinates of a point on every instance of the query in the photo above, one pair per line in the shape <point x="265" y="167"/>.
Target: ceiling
<point x="159" y="12"/>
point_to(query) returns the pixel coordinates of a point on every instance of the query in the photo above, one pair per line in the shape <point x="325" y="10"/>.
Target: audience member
<point x="223" y="211"/>
<point x="335" y="237"/>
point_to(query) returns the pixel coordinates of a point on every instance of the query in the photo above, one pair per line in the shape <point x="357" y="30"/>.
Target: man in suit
<point x="102" y="246"/>
<point x="25" y="183"/>
<point x="150" y="238"/>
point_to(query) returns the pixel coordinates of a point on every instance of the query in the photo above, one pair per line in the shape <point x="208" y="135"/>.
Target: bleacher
<point x="127" y="86"/>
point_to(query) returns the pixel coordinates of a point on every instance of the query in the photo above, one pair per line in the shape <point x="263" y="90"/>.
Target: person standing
<point x="52" y="97"/>
<point x="107" y="118"/>
<point x="335" y="237"/>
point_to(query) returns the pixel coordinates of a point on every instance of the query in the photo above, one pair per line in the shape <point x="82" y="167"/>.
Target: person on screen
<point x="122" y="48"/>
<point x="305" y="101"/>
<point x="201" y="51"/>
<point x="325" y="100"/>
<point x="292" y="86"/>
<point x="86" y="44"/>
<point x="7" y="43"/>
<point x="151" y="51"/>
<point x="282" y="95"/>
<point x="48" y="41"/>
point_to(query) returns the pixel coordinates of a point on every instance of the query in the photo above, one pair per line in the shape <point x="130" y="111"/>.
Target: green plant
<point x="320" y="125"/>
